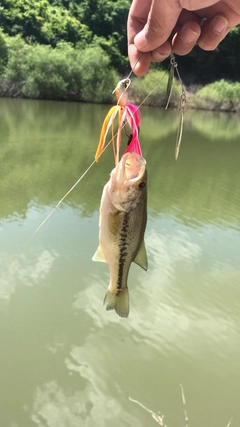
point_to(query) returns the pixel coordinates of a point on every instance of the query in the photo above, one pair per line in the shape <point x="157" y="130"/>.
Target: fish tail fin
<point x="118" y="301"/>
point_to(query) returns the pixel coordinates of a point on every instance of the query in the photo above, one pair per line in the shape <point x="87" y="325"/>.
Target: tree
<point x="41" y="22"/>
<point x="3" y="54"/>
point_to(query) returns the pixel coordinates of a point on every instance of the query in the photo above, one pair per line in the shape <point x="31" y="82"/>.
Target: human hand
<point x="159" y="27"/>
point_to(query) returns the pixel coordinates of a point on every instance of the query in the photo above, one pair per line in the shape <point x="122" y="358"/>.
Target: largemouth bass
<point x="122" y="223"/>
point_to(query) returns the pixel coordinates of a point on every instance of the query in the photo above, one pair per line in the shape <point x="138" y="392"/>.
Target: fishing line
<point x="129" y="75"/>
<point x="17" y="254"/>
<point x="45" y="220"/>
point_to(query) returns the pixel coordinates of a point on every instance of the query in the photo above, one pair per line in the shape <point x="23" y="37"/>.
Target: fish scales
<point x="123" y="217"/>
<point x="127" y="248"/>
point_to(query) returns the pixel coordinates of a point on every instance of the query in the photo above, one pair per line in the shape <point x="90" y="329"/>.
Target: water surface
<point x="66" y="361"/>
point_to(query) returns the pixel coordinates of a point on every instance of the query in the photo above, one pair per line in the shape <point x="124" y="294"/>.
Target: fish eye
<point x="142" y="185"/>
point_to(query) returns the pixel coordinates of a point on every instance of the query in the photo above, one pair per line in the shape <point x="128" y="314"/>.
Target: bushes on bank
<point x="220" y="95"/>
<point x="63" y="72"/>
<point x="217" y="94"/>
<point x="152" y="88"/>
<point x="3" y="54"/>
<point x="84" y="74"/>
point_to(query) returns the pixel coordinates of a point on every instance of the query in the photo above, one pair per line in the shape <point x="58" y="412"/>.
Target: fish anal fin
<point x="98" y="256"/>
<point x="118" y="301"/>
<point x="141" y="257"/>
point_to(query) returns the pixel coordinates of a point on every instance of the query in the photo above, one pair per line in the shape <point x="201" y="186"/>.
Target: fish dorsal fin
<point x="141" y="257"/>
<point x="98" y="256"/>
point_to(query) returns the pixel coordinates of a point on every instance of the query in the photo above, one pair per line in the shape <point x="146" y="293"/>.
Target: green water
<point x="64" y="360"/>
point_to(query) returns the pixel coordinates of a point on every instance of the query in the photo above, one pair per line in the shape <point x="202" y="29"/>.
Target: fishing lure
<point x="126" y="113"/>
<point x="173" y="67"/>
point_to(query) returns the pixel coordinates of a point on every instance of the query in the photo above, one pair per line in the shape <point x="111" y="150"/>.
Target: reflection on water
<point x="64" y="359"/>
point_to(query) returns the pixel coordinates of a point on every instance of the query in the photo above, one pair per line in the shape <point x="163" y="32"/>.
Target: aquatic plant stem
<point x="184" y="405"/>
<point x="158" y="418"/>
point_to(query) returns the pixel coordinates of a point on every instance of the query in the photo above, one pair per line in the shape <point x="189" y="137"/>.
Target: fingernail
<point x="219" y="24"/>
<point x="188" y="36"/>
<point x="140" y="40"/>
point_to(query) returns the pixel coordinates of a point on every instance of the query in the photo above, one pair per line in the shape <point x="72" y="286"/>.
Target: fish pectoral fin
<point x="141" y="257"/>
<point x="98" y="256"/>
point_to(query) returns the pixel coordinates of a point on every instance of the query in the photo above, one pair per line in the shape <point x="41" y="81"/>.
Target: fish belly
<point x="120" y="239"/>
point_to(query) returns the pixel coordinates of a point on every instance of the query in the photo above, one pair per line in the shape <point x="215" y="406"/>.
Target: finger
<point x="213" y="32"/>
<point x="161" y="53"/>
<point x="187" y="16"/>
<point x="140" y="62"/>
<point x="137" y="18"/>
<point x="161" y="20"/>
<point x="191" y="4"/>
<point x="185" y="38"/>
<point x="140" y="65"/>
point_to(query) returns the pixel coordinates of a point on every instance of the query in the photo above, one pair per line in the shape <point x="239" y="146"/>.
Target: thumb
<point x="161" y="20"/>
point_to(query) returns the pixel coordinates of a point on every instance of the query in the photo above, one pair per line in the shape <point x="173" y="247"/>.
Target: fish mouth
<point x="133" y="166"/>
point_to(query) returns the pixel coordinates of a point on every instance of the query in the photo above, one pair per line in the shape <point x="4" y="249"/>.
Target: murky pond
<point x="64" y="360"/>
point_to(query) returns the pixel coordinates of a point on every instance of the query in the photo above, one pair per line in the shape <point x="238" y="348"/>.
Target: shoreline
<point x="14" y="90"/>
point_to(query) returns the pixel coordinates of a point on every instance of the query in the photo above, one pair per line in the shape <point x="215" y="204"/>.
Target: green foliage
<point x="96" y="77"/>
<point x="3" y="54"/>
<point x="39" y="21"/>
<point x="111" y="47"/>
<point x="104" y="17"/>
<point x="99" y="24"/>
<point x="153" y="87"/>
<point x="218" y="92"/>
<point x="107" y="20"/>
<point x="63" y="72"/>
<point x="17" y="62"/>
<point x="46" y="75"/>
<point x="61" y="26"/>
<point x="78" y="22"/>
